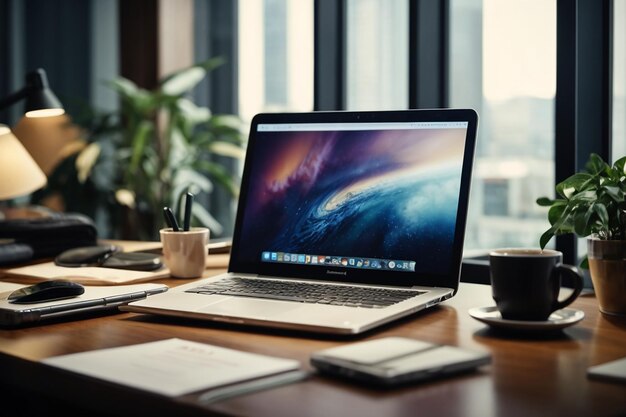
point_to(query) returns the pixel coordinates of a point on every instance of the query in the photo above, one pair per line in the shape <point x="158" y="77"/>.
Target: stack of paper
<point x="89" y="275"/>
<point x="173" y="367"/>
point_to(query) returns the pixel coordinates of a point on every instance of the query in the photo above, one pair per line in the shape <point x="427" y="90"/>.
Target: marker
<point x="170" y="219"/>
<point x="188" y="204"/>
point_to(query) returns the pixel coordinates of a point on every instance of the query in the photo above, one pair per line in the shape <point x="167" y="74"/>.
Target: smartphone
<point x="108" y="256"/>
<point x="138" y="261"/>
<point x="393" y="361"/>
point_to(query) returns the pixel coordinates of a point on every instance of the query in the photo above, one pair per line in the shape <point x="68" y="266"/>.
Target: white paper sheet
<point x="172" y="367"/>
<point x="84" y="275"/>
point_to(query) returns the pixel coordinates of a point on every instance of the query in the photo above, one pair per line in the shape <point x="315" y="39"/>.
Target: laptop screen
<point x="371" y="199"/>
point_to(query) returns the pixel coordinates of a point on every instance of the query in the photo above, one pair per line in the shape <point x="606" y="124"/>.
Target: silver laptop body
<point x="367" y="204"/>
<point x="95" y="298"/>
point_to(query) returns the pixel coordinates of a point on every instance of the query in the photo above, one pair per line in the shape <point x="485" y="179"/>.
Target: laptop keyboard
<point x="364" y="297"/>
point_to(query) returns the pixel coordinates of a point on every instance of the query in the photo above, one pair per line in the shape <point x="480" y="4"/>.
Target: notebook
<point x="346" y="221"/>
<point x="93" y="299"/>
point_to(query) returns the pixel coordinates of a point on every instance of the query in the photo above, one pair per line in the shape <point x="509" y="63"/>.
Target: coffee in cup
<point x="526" y="282"/>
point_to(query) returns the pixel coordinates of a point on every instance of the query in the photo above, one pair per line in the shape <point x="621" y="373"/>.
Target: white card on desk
<point x="614" y="370"/>
<point x="377" y="350"/>
<point x="172" y="367"/>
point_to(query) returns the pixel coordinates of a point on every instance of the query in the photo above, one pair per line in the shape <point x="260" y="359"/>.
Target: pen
<point x="170" y="219"/>
<point x="188" y="204"/>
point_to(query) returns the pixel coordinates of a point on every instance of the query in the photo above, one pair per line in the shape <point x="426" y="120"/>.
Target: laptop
<point x="346" y="221"/>
<point x="94" y="298"/>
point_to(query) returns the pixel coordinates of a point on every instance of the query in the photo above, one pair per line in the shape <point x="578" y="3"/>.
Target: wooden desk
<point x="528" y="376"/>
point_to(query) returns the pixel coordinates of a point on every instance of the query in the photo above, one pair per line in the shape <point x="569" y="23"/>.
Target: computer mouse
<point x="46" y="291"/>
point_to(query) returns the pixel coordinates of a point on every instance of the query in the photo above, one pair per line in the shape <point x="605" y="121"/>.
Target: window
<point x="377" y="54"/>
<point x="503" y="64"/>
<point x="275" y="56"/>
<point x="496" y="196"/>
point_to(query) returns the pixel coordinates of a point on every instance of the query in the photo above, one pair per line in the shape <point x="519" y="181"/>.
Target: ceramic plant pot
<point x="607" y="264"/>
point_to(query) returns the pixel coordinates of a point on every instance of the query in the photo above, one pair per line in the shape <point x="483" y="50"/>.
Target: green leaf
<point x="140" y="104"/>
<point x="563" y="223"/>
<point x="191" y="113"/>
<point x="179" y="149"/>
<point x="227" y="149"/>
<point x="545" y="238"/>
<point x="139" y="141"/>
<point x="545" y="201"/>
<point x="124" y="86"/>
<point x="596" y="165"/>
<point x="581" y="221"/>
<point x="560" y="190"/>
<point x="614" y="192"/>
<point x="208" y="65"/>
<point x="183" y="81"/>
<point x="555" y="212"/>
<point x="602" y="213"/>
<point x="228" y="121"/>
<point x="620" y="165"/>
<point x="578" y="182"/>
<point x="211" y="63"/>
<point x="584" y="196"/>
<point x="147" y="102"/>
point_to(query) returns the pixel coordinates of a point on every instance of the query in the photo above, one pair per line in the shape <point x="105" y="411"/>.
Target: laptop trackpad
<point x="249" y="307"/>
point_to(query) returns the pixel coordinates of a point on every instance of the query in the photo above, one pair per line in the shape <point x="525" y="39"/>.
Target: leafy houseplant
<point x="145" y="156"/>
<point x="592" y="204"/>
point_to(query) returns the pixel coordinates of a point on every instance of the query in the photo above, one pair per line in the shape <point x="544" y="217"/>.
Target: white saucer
<point x="557" y="320"/>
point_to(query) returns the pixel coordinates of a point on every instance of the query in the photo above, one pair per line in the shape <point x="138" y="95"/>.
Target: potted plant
<point x="592" y="204"/>
<point x="147" y="155"/>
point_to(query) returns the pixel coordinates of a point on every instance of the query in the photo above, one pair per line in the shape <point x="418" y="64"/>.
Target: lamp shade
<point x="19" y="173"/>
<point x="41" y="101"/>
<point x="48" y="140"/>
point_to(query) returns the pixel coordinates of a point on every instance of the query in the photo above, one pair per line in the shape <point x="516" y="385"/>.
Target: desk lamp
<point x="19" y="173"/>
<point x="42" y="234"/>
<point x="40" y="100"/>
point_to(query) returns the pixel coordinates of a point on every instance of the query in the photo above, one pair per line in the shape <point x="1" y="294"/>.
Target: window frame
<point x="584" y="92"/>
<point x="584" y="88"/>
<point x="329" y="55"/>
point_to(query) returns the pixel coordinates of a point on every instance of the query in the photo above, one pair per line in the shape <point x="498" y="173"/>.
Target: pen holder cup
<point x="185" y="252"/>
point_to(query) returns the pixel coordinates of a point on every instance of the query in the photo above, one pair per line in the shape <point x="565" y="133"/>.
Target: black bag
<point x="44" y="237"/>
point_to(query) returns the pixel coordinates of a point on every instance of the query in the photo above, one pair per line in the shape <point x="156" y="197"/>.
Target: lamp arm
<point x="14" y="97"/>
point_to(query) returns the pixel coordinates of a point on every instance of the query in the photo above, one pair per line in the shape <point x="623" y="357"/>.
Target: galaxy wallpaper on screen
<point x="379" y="194"/>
